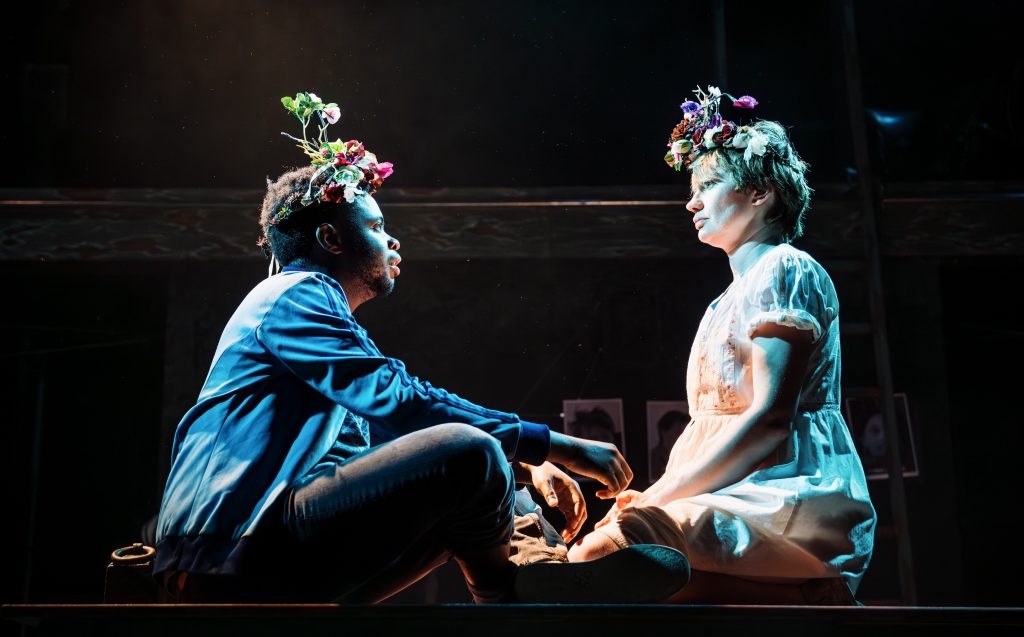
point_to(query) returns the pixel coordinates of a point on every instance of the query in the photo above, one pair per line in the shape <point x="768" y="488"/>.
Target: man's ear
<point x="762" y="196"/>
<point x="328" y="238"/>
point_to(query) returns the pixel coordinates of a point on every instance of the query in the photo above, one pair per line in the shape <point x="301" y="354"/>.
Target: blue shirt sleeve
<point x="311" y="331"/>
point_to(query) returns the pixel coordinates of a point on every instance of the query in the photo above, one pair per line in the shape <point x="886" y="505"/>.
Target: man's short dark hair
<point x="294" y="237"/>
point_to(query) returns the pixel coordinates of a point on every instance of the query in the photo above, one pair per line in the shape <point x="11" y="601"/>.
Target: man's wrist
<point x="563" y="448"/>
<point x="534" y="443"/>
<point x="522" y="472"/>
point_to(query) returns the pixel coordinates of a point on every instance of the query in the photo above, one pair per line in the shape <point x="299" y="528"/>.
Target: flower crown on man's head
<point x="702" y="129"/>
<point x="345" y="170"/>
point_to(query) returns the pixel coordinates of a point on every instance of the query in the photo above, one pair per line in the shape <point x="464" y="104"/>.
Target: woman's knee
<point x="591" y="547"/>
<point x="651" y="525"/>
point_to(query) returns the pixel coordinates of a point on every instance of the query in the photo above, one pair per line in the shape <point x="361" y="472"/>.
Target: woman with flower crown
<point x="764" y="492"/>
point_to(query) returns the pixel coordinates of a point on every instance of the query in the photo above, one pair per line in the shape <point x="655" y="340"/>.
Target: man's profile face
<point x="370" y="253"/>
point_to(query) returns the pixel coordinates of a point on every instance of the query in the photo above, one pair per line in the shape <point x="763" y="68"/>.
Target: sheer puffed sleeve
<point x="790" y="288"/>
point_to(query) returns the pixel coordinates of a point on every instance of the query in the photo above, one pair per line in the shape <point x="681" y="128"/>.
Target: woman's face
<point x="723" y="216"/>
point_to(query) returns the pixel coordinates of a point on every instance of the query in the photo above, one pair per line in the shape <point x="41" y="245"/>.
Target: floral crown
<point x="702" y="128"/>
<point x="345" y="169"/>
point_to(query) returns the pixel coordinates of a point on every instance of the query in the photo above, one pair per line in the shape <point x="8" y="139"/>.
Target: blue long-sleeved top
<point x="295" y="381"/>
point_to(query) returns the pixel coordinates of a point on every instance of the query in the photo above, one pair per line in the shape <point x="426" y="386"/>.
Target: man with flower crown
<point x="275" y="492"/>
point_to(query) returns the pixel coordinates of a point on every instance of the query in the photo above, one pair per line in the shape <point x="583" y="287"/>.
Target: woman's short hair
<point x="293" y="237"/>
<point x="780" y="167"/>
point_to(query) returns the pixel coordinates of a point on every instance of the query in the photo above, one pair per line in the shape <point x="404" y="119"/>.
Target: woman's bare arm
<point x="779" y="359"/>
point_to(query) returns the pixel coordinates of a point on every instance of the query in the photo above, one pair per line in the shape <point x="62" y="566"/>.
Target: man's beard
<point x="371" y="271"/>
<point x="376" y="281"/>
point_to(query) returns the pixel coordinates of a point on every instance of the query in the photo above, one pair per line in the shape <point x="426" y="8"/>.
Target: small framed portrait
<point x="864" y="417"/>
<point x="595" y="419"/>
<point x="666" y="420"/>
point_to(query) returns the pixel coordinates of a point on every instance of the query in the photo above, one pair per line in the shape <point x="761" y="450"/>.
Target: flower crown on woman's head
<point x="702" y="128"/>
<point x="345" y="169"/>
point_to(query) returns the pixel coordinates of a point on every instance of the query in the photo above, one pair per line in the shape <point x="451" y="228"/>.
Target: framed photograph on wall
<point x="864" y="417"/>
<point x="666" y="420"/>
<point x="595" y="419"/>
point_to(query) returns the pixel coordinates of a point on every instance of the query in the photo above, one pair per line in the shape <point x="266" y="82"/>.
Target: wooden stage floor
<point x="493" y="621"/>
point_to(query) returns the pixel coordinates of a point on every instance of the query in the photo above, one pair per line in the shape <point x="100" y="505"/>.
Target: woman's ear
<point x="327" y="237"/>
<point x="762" y="196"/>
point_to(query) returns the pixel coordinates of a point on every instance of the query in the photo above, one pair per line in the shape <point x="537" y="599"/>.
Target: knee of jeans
<point x="473" y="452"/>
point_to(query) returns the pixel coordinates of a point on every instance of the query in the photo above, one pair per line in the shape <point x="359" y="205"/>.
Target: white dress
<point x="805" y="511"/>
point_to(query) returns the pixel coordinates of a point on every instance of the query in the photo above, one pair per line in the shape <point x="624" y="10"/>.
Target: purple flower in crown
<point x="690" y="107"/>
<point x="745" y="102"/>
<point x="703" y="128"/>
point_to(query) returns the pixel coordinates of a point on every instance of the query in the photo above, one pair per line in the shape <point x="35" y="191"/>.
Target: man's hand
<point x="561" y="491"/>
<point x="598" y="460"/>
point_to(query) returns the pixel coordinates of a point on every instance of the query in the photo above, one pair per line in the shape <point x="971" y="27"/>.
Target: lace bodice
<point x="785" y="286"/>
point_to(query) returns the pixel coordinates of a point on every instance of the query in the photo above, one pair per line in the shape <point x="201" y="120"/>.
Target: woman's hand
<point x="598" y="460"/>
<point x="623" y="501"/>
<point x="561" y="491"/>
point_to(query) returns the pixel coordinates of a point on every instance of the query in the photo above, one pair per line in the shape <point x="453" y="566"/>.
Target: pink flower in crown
<point x="384" y="169"/>
<point x="745" y="102"/>
<point x="354" y="150"/>
<point x="352" y="153"/>
<point x="333" y="114"/>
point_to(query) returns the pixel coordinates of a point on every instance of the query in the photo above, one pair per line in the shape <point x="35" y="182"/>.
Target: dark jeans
<point x="363" y="529"/>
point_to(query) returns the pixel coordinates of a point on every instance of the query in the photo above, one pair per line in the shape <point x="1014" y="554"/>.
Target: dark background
<point x="169" y="96"/>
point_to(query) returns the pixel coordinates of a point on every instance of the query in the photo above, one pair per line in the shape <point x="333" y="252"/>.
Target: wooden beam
<point x="587" y="223"/>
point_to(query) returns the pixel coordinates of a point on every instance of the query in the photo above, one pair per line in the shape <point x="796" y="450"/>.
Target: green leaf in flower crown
<point x="349" y="174"/>
<point x="336" y="147"/>
<point x="288" y="103"/>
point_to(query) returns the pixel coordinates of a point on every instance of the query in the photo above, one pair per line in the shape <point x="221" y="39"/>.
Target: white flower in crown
<point x="350" y="193"/>
<point x="313" y="98"/>
<point x="714" y="91"/>
<point x="741" y="138"/>
<point x="709" y="136"/>
<point x="756" y="146"/>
